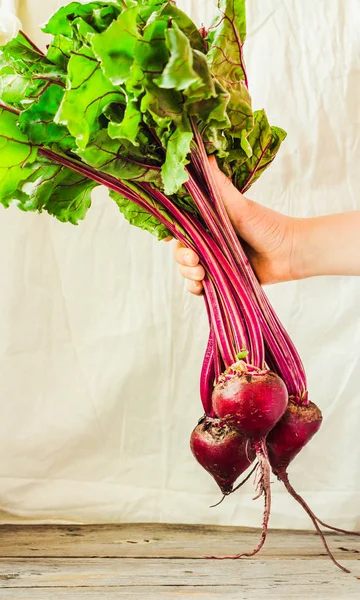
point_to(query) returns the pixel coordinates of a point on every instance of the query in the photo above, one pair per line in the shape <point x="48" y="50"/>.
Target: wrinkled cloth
<point x="101" y="345"/>
<point x="9" y="22"/>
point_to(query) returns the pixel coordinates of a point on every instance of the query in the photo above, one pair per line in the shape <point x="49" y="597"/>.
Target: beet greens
<point x="129" y="94"/>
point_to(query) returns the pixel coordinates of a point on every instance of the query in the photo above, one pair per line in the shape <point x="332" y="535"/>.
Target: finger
<point x="178" y="245"/>
<point x="193" y="273"/>
<point x="221" y="178"/>
<point x="195" y="287"/>
<point x="168" y="239"/>
<point x="234" y="201"/>
<point x="224" y="183"/>
<point x="185" y="256"/>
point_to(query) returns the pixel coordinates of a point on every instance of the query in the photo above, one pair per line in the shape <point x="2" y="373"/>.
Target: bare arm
<point x="330" y="245"/>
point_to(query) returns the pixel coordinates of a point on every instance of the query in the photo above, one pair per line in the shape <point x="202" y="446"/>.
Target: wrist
<point x="301" y="261"/>
<point x="316" y="247"/>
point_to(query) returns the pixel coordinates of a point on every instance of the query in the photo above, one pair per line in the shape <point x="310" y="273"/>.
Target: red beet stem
<point x="285" y="479"/>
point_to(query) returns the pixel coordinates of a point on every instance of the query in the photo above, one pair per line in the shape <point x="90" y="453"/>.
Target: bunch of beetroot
<point x="253" y="418"/>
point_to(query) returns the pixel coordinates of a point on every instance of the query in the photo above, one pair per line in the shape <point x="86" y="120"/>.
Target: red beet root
<point x="254" y="401"/>
<point x="289" y="436"/>
<point x="222" y="451"/>
<point x="294" y="430"/>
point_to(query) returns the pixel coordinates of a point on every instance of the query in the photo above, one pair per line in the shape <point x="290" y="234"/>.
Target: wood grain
<point x="164" y="541"/>
<point x="287" y="591"/>
<point x="165" y="562"/>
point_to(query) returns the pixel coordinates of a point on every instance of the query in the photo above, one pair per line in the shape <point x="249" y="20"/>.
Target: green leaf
<point x="204" y="87"/>
<point x="108" y="156"/>
<point x="98" y="14"/>
<point x="25" y="73"/>
<point x="33" y="183"/>
<point x="71" y="199"/>
<point x="215" y="142"/>
<point x="135" y="81"/>
<point x="22" y="57"/>
<point x="142" y="147"/>
<point x="139" y="217"/>
<point x="83" y="32"/>
<point x="150" y="51"/>
<point x="213" y="110"/>
<point x="265" y="141"/>
<point x="163" y="105"/>
<point x="184" y="201"/>
<point x="235" y="152"/>
<point x="57" y="190"/>
<point x="59" y="51"/>
<point x="147" y="8"/>
<point x="184" y="23"/>
<point x="226" y="62"/>
<point x="178" y="73"/>
<point x="115" y="47"/>
<point x="38" y="120"/>
<point x="16" y="156"/>
<point x="129" y="126"/>
<point x="173" y="171"/>
<point x="245" y="144"/>
<point x="19" y="90"/>
<point x="106" y="13"/>
<point x="88" y="92"/>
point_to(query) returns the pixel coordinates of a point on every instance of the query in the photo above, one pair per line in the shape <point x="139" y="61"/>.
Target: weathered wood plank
<point x="171" y="593"/>
<point x="248" y="575"/>
<point x="163" y="541"/>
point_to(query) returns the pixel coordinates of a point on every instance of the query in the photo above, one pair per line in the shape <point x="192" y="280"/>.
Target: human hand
<point x="270" y="239"/>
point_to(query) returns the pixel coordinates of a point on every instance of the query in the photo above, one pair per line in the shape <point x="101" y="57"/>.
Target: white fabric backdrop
<point x="101" y="346"/>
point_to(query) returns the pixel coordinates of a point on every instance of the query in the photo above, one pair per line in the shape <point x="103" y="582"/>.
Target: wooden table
<point x="150" y="561"/>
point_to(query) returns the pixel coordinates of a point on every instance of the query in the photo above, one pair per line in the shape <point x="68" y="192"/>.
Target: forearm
<point x="329" y="245"/>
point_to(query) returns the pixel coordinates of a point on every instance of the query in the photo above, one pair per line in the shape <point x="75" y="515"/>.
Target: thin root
<point x="220" y="501"/>
<point x="338" y="529"/>
<point x="237" y="487"/>
<point x="313" y="517"/>
<point x="264" y="482"/>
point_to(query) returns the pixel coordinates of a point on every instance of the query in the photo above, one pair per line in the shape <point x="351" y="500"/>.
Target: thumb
<point x="237" y="206"/>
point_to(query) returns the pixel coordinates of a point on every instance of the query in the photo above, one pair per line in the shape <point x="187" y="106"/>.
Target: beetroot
<point x="294" y="430"/>
<point x="254" y="400"/>
<point x="221" y="450"/>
